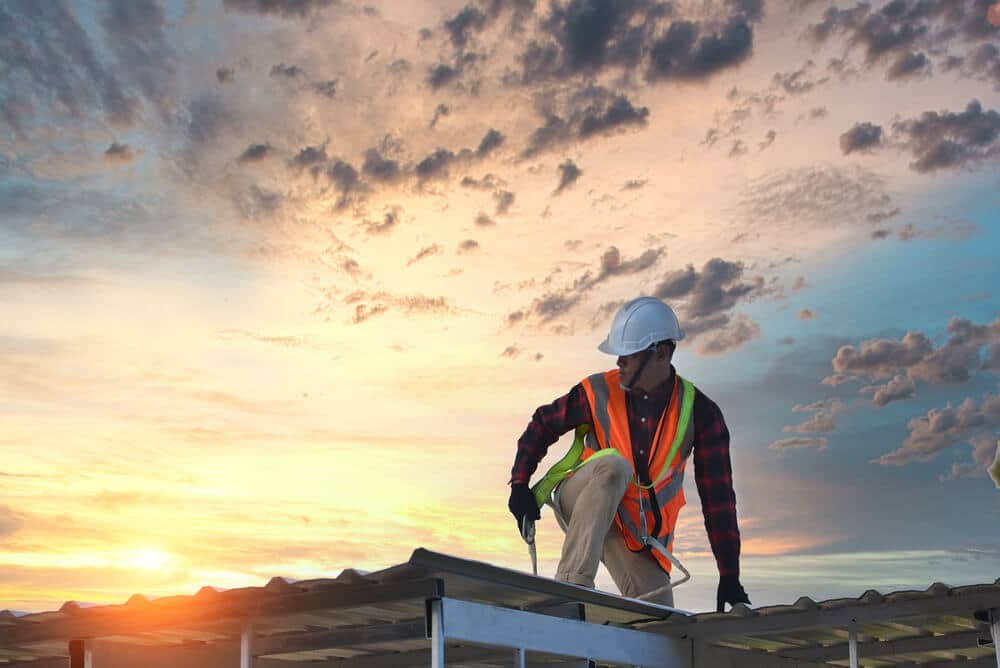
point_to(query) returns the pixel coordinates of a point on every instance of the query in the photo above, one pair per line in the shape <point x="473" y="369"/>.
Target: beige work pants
<point x="588" y="501"/>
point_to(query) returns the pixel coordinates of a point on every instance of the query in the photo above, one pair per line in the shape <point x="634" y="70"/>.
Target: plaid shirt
<point x="712" y="468"/>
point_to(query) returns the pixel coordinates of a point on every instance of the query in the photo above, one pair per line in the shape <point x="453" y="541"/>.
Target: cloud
<point x="256" y="202"/>
<point x="942" y="140"/>
<point x="955" y="230"/>
<point x="897" y="389"/>
<point x="281" y="8"/>
<point x="511" y="352"/>
<point x="426" y="252"/>
<point x="561" y="302"/>
<point x="379" y="168"/>
<point x="738" y="148"/>
<point x="289" y="71"/>
<point x="797" y="81"/>
<point x="568" y="174"/>
<point x="635" y="184"/>
<point x="504" y="200"/>
<point x="832" y="406"/>
<point x="492" y="140"/>
<point x="225" y="75"/>
<point x="728" y="336"/>
<point x="441" y="75"/>
<point x="768" y="139"/>
<point x="135" y="31"/>
<point x="389" y="222"/>
<point x="915" y="356"/>
<point x="810" y="196"/>
<point x="482" y="220"/>
<point x="908" y="64"/>
<point x="687" y="51"/>
<point x="807" y="314"/>
<point x="326" y="88"/>
<point x="877" y="217"/>
<point x="440" y="112"/>
<point x="819" y="423"/>
<point x="587" y="112"/>
<point x="941" y="429"/>
<point x="49" y="59"/>
<point x="435" y="165"/>
<point x="798" y="443"/>
<point x="255" y="153"/>
<point x="468" y="246"/>
<point x="345" y="177"/>
<point x="119" y="153"/>
<point x="366" y="306"/>
<point x="862" y="137"/>
<point x="311" y="158"/>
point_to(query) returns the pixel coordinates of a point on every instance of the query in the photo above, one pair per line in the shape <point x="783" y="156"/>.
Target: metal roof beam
<point x="349" y="637"/>
<point x="860" y="612"/>
<point x="875" y="648"/>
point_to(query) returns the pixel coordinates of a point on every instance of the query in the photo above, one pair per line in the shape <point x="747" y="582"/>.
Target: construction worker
<point x="649" y="420"/>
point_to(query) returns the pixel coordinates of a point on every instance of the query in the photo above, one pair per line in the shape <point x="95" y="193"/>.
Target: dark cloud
<point x="326" y="88"/>
<point x="469" y="19"/>
<point x="504" y="200"/>
<point x="807" y="314"/>
<point x="255" y="153"/>
<point x="225" y="75"/>
<point x="954" y="230"/>
<point x="862" y="137"/>
<point x="620" y="113"/>
<point x="738" y="148"/>
<point x="727" y="337"/>
<point x="941" y="140"/>
<point x="687" y="51"/>
<point x="482" y="220"/>
<point x="877" y="217"/>
<point x="290" y="71"/>
<point x="441" y="75"/>
<point x="50" y="63"/>
<point x="440" y="111"/>
<point x="818" y="112"/>
<point x="511" y="352"/>
<point x="908" y="64"/>
<point x="345" y="177"/>
<point x="379" y="168"/>
<point x="433" y="249"/>
<point x="435" y="165"/>
<point x="282" y="8"/>
<point x="491" y="140"/>
<point x="468" y="246"/>
<point x="635" y="184"/>
<point x="555" y="132"/>
<point x="311" y="158"/>
<point x="568" y="174"/>
<point x="119" y="153"/>
<point x="488" y="182"/>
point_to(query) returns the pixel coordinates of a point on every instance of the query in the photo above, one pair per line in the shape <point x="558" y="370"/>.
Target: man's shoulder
<point x="704" y="404"/>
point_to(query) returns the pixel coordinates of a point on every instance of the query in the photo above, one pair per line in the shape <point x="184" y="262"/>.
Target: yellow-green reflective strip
<point x="687" y="406"/>
<point x="570" y="463"/>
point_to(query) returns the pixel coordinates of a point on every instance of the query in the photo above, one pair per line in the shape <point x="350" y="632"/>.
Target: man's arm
<point x="547" y="424"/>
<point x="713" y="474"/>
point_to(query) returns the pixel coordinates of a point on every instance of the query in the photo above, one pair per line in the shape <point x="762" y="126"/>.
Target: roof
<point x="378" y="619"/>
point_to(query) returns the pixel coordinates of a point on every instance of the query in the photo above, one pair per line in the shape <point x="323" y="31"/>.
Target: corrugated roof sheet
<point x="379" y="616"/>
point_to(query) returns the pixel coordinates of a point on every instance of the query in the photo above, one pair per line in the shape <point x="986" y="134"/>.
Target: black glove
<point x="731" y="592"/>
<point x="522" y="504"/>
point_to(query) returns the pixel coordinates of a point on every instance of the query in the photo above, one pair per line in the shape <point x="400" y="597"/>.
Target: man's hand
<point x="731" y="592"/>
<point x="522" y="504"/>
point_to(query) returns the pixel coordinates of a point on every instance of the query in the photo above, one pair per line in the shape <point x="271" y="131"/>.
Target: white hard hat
<point x="639" y="324"/>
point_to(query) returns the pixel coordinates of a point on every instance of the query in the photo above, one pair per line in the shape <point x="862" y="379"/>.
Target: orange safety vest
<point x="661" y="500"/>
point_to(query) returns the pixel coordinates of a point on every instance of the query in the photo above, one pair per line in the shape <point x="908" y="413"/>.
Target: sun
<point x="149" y="558"/>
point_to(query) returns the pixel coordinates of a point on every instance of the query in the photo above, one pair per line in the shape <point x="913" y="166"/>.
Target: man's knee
<point x="612" y="471"/>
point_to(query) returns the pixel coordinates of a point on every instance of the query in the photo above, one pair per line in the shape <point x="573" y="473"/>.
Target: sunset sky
<point x="282" y="281"/>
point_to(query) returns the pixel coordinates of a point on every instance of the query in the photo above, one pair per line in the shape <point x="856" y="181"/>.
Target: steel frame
<point x="453" y="620"/>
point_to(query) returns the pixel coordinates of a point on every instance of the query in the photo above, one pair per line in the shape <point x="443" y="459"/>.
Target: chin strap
<point x="628" y="387"/>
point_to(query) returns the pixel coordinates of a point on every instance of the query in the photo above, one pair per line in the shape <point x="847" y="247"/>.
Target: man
<point x="643" y="422"/>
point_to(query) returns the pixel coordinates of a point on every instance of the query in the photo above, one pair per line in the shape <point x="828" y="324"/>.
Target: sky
<point x="283" y="281"/>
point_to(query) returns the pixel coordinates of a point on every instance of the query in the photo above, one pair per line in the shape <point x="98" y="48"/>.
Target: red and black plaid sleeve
<point x="713" y="475"/>
<point x="547" y="424"/>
